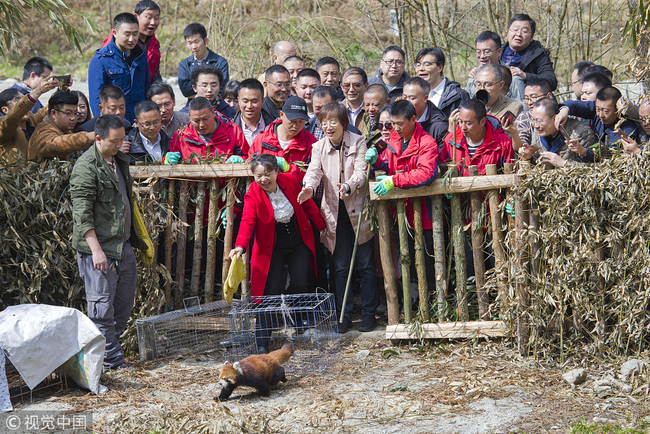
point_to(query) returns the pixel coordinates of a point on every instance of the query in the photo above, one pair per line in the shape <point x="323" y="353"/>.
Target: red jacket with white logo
<point x="299" y="148"/>
<point x="418" y="163"/>
<point x="495" y="149"/>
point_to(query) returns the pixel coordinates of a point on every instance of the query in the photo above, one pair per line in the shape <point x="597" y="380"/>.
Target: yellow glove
<point x="236" y="274"/>
<point x="147" y="255"/>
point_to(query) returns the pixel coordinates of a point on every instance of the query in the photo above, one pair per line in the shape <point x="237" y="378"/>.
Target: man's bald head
<point x="282" y="50"/>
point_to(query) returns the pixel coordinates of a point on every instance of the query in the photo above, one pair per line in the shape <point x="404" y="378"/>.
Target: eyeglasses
<point x="523" y="30"/>
<point x="68" y="114"/>
<point x="485" y="52"/>
<point x="644" y="119"/>
<point x="167" y="105"/>
<point x="149" y="124"/>
<point x="423" y="64"/>
<point x="279" y="85"/>
<point x="479" y="85"/>
<point x="532" y="99"/>
<point x="393" y="62"/>
<point x="384" y="126"/>
<point x="347" y="86"/>
<point x="213" y="85"/>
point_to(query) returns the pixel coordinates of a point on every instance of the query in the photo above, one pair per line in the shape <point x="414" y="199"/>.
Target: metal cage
<point x="264" y="324"/>
<point x="193" y="329"/>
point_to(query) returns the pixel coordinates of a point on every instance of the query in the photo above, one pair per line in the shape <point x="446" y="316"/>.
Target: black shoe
<point x="344" y="326"/>
<point x="368" y="323"/>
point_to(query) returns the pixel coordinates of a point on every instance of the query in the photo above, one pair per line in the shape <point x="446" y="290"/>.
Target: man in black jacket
<point x="430" y="117"/>
<point x="148" y="142"/>
<point x="525" y="57"/>
<point x="277" y="82"/>
<point x="447" y="95"/>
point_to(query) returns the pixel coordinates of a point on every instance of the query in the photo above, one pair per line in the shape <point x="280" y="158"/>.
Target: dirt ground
<point x="462" y="387"/>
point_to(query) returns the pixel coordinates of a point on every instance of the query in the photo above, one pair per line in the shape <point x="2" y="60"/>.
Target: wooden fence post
<point x="523" y="331"/>
<point x="404" y="257"/>
<point x="440" y="256"/>
<point x="420" y="266"/>
<point x="198" y="237"/>
<point x="227" y="239"/>
<point x="181" y="244"/>
<point x="210" y="260"/>
<point x="477" y="250"/>
<point x="168" y="240"/>
<point x="390" y="284"/>
<point x="246" y="283"/>
<point x="458" y="240"/>
<point x="497" y="242"/>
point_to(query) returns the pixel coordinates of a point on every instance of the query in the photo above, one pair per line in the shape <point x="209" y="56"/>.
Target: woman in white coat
<point x="338" y="159"/>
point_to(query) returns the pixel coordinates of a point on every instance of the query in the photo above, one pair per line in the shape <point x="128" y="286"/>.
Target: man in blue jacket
<point x="122" y="63"/>
<point x="196" y="39"/>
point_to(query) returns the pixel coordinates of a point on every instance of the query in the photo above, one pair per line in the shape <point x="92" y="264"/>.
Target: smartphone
<point x="63" y="79"/>
<point x="380" y="146"/>
<point x="508" y="116"/>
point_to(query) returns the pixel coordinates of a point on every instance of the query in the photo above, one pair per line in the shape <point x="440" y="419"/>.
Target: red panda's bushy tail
<point x="283" y="355"/>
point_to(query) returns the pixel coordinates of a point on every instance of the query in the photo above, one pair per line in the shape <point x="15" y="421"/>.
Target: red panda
<point x="258" y="371"/>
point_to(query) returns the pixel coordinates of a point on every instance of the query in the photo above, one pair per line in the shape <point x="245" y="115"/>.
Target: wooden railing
<point x="204" y="176"/>
<point x="473" y="185"/>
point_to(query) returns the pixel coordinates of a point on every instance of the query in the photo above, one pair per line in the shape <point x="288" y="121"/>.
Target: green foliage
<point x="584" y="427"/>
<point x="14" y="15"/>
<point x="637" y="22"/>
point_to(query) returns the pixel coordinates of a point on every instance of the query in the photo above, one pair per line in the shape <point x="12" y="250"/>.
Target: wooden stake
<point x="210" y="260"/>
<point x="198" y="237"/>
<point x="404" y="258"/>
<point x="497" y="242"/>
<point x="390" y="284"/>
<point x="420" y="265"/>
<point x="458" y="240"/>
<point x="168" y="239"/>
<point x="437" y="220"/>
<point x="523" y="331"/>
<point x="227" y="239"/>
<point x="181" y="244"/>
<point x="246" y="283"/>
<point x="477" y="251"/>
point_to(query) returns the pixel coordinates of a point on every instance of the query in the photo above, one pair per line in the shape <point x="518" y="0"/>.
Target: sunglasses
<point x="385" y="125"/>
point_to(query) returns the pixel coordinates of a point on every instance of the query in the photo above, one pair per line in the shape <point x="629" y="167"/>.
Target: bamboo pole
<point x="523" y="331"/>
<point x="497" y="242"/>
<point x="387" y="263"/>
<point x="181" y="244"/>
<point x="404" y="258"/>
<point x="477" y="251"/>
<point x="437" y="224"/>
<point x="168" y="239"/>
<point x="227" y="239"/>
<point x="210" y="260"/>
<point x="458" y="240"/>
<point x="420" y="266"/>
<point x="198" y="237"/>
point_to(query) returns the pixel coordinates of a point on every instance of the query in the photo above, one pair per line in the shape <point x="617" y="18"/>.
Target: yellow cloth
<point x="236" y="274"/>
<point x="147" y="255"/>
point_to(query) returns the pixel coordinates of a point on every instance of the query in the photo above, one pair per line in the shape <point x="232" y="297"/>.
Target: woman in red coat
<point x="283" y="233"/>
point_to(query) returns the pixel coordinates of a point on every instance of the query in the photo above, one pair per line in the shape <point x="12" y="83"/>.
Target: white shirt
<point x="424" y="115"/>
<point x="282" y="208"/>
<point x="284" y="144"/>
<point x="251" y="133"/>
<point x="153" y="149"/>
<point x="436" y="94"/>
<point x="354" y="114"/>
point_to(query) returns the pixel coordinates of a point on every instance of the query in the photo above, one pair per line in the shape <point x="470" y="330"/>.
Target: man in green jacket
<point x="104" y="233"/>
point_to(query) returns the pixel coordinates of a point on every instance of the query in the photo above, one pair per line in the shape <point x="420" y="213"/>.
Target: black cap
<point x="295" y="108"/>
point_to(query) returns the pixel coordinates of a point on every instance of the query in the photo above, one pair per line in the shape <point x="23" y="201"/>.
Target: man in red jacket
<point x="479" y="139"/>
<point x="287" y="139"/>
<point x="410" y="160"/>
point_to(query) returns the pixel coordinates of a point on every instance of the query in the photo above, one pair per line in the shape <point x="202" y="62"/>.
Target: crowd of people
<point x="312" y="137"/>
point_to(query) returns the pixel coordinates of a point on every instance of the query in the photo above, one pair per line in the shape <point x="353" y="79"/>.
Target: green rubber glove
<point x="234" y="159"/>
<point x="284" y="166"/>
<point x="384" y="186"/>
<point x="224" y="220"/>
<point x="449" y="195"/>
<point x="371" y="156"/>
<point x="172" y="158"/>
<point x="510" y="208"/>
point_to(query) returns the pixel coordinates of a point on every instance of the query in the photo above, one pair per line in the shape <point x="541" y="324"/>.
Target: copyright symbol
<point x="13" y="422"/>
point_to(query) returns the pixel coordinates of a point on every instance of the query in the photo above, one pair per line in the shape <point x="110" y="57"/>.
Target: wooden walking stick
<point x="356" y="243"/>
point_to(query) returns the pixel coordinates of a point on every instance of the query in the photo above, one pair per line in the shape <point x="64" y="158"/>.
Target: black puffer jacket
<point x="536" y="62"/>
